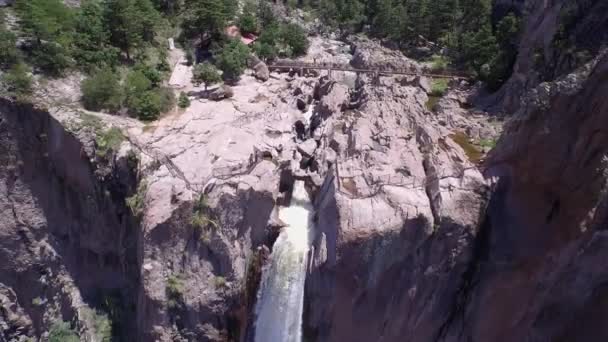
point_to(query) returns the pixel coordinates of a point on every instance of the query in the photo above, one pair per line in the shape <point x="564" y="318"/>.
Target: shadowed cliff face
<point x="67" y="240"/>
<point x="558" y="36"/>
<point x="543" y="278"/>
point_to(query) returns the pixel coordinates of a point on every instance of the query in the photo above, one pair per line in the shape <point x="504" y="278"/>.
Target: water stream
<point x="281" y="296"/>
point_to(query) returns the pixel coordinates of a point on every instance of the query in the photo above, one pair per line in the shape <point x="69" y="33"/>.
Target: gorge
<point x="316" y="207"/>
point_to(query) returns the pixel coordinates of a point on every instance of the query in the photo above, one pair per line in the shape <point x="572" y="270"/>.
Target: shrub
<point x="189" y="57"/>
<point x="183" y="101"/>
<point x="205" y="73"/>
<point x="9" y="54"/>
<point x="167" y="99"/>
<point x="219" y="282"/>
<point x="147" y="106"/>
<point x="137" y="202"/>
<point x="101" y="91"/>
<point x="136" y="84"/>
<point x="101" y="324"/>
<point x="233" y="59"/>
<point x="51" y="57"/>
<point x="153" y="75"/>
<point x="439" y="63"/>
<point x="201" y="215"/>
<point x="109" y="140"/>
<point x="248" y="22"/>
<point x="439" y="87"/>
<point x="18" y="81"/>
<point x="62" y="332"/>
<point x="265" y="50"/>
<point x="174" y="290"/>
<point x="295" y="37"/>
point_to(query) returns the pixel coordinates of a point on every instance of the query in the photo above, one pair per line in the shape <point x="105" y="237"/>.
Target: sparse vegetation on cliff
<point x="137" y="201"/>
<point x="62" y="332"/>
<point x="108" y="140"/>
<point x="174" y="290"/>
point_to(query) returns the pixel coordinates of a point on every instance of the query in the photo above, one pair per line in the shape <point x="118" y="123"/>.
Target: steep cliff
<point x="68" y="244"/>
<point x="558" y="36"/>
<point x="541" y="276"/>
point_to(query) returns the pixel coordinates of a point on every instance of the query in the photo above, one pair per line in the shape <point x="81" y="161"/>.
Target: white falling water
<point x="281" y="296"/>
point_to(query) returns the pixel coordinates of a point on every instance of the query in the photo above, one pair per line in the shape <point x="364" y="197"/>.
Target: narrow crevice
<point x="470" y="277"/>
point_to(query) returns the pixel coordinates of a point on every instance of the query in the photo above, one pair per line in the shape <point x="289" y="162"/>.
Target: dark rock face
<point x="67" y="241"/>
<point x="558" y="37"/>
<point x="548" y="219"/>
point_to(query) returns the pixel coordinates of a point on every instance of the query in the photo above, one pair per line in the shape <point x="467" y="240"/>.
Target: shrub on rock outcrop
<point x="183" y="101"/>
<point x="232" y="60"/>
<point x="62" y="332"/>
<point x="206" y="74"/>
<point x="101" y="91"/>
<point x="18" y="82"/>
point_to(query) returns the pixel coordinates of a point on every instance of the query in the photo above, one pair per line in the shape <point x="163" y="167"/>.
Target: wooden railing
<point x="377" y="71"/>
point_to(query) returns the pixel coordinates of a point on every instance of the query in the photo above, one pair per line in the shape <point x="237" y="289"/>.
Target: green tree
<point x="205" y="73"/>
<point x="265" y="14"/>
<point x="295" y="37"/>
<point x="135" y="85"/>
<point x="43" y="20"/>
<point x="442" y="16"/>
<point x="207" y="18"/>
<point x="18" y="82"/>
<point x="48" y="24"/>
<point x="233" y="59"/>
<point x="9" y="54"/>
<point x="147" y="106"/>
<point x="91" y="46"/>
<point x="248" y="23"/>
<point x="131" y="23"/>
<point x="265" y="51"/>
<point x="101" y="91"/>
<point x="151" y="73"/>
<point x="500" y="68"/>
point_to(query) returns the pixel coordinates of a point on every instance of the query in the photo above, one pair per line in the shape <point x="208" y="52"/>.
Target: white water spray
<point x="281" y="296"/>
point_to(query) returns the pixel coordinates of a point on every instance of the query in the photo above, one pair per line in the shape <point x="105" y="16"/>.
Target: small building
<point x="234" y="32"/>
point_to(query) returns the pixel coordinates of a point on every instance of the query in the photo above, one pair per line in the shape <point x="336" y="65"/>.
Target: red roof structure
<point x="234" y="32"/>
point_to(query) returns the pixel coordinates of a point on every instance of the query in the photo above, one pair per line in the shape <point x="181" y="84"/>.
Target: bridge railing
<point x="379" y="70"/>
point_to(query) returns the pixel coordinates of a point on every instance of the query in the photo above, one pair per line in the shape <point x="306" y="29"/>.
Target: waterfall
<point x="281" y="296"/>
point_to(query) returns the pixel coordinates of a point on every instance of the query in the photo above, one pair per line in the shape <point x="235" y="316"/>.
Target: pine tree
<point x="130" y="23"/>
<point x="91" y="46"/>
<point x="207" y="18"/>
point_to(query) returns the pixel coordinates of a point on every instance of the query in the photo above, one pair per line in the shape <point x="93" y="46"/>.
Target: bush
<point x="295" y="37"/>
<point x="18" y="81"/>
<point x="62" y="332"/>
<point x="183" y="101"/>
<point x="439" y="63"/>
<point x="147" y="106"/>
<point x="439" y="87"/>
<point x="248" y="23"/>
<point x="265" y="50"/>
<point x="108" y="140"/>
<point x="205" y="73"/>
<point x="51" y="57"/>
<point x="153" y="75"/>
<point x="9" y="54"/>
<point x="167" y="99"/>
<point x="220" y="283"/>
<point x="101" y="91"/>
<point x="174" y="291"/>
<point x="137" y="202"/>
<point x="201" y="215"/>
<point x="135" y="85"/>
<point x="233" y="59"/>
